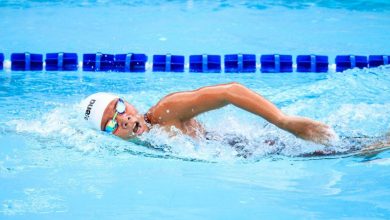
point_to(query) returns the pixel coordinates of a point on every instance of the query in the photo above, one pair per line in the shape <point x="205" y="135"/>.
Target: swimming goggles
<point x="112" y="124"/>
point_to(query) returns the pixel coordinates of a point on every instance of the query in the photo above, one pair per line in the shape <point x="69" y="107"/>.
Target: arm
<point x="186" y="105"/>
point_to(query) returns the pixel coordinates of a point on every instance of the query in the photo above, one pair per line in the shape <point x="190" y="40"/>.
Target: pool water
<point x="53" y="167"/>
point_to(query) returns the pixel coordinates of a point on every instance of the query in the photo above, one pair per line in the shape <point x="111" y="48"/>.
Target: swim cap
<point x="94" y="107"/>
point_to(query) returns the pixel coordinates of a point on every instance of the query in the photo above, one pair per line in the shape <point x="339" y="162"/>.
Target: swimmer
<point x="112" y="114"/>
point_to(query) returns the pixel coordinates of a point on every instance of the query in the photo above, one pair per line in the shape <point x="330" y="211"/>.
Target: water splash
<point x="63" y="127"/>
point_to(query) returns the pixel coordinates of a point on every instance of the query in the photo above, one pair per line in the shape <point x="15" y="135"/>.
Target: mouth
<point x="137" y="128"/>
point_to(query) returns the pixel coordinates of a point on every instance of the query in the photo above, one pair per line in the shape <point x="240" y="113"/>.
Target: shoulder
<point x="163" y="111"/>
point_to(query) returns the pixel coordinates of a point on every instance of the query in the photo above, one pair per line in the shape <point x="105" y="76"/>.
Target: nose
<point x="126" y="121"/>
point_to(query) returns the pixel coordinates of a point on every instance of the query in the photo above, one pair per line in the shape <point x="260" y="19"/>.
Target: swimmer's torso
<point x="168" y="114"/>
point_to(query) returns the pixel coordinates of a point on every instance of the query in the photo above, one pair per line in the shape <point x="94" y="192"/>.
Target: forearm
<point x="304" y="128"/>
<point x="253" y="102"/>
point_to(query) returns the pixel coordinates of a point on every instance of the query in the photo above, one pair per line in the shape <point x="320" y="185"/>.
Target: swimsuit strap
<point x="148" y="123"/>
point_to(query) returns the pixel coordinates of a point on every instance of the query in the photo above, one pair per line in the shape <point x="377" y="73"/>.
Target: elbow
<point x="234" y="84"/>
<point x="233" y="88"/>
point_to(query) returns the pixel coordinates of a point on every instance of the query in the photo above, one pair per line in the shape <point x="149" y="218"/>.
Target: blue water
<point x="53" y="167"/>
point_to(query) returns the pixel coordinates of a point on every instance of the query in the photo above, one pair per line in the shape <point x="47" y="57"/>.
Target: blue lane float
<point x="1" y="61"/>
<point x="205" y="63"/>
<point x="276" y="63"/>
<point x="344" y="62"/>
<point x="378" y="60"/>
<point x="130" y="62"/>
<point x="26" y="61"/>
<point x="98" y="62"/>
<point x="61" y="61"/>
<point x="168" y="63"/>
<point x="312" y="63"/>
<point x="240" y="63"/>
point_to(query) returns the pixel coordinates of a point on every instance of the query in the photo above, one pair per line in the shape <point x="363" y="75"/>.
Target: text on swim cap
<point x="89" y="107"/>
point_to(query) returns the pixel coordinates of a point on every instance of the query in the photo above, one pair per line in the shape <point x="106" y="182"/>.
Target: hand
<point x="308" y="129"/>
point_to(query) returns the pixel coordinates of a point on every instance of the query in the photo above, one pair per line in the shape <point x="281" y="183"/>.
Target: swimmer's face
<point x="130" y="123"/>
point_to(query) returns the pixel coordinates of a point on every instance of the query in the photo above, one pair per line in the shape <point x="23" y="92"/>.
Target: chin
<point x="127" y="138"/>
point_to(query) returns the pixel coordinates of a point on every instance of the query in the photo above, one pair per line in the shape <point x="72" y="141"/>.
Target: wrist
<point x="283" y="122"/>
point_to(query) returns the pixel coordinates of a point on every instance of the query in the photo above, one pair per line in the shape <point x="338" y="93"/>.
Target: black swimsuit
<point x="236" y="141"/>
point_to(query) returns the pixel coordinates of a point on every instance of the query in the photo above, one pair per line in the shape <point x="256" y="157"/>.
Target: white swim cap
<point x="94" y="106"/>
